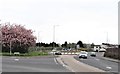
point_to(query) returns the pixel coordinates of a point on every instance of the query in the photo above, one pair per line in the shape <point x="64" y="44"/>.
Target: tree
<point x="80" y="43"/>
<point x="92" y="45"/>
<point x="47" y="44"/>
<point x="54" y="44"/>
<point x="71" y="45"/>
<point x="66" y="44"/>
<point x="38" y="44"/>
<point x="16" y="37"/>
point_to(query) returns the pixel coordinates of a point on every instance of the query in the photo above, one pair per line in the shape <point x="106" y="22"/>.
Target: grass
<point x="37" y="53"/>
<point x="26" y="54"/>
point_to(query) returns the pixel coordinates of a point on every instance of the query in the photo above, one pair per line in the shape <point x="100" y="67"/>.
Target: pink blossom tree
<point x="16" y="37"/>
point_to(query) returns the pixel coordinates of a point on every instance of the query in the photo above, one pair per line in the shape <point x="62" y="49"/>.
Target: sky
<point x="91" y="21"/>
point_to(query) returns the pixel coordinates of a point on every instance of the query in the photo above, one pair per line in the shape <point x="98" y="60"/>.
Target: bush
<point x="42" y="49"/>
<point x="27" y="54"/>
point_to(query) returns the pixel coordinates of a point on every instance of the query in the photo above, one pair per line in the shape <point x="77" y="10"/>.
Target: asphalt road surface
<point x="33" y="64"/>
<point x="100" y="63"/>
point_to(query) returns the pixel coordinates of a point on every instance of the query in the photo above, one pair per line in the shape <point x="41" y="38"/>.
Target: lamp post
<point x="10" y="46"/>
<point x="12" y="40"/>
<point x="39" y="38"/>
<point x="54" y="26"/>
<point x="107" y="40"/>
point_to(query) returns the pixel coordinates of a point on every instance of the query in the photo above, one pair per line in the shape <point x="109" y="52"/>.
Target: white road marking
<point x="109" y="67"/>
<point x="97" y="59"/>
<point x="16" y="59"/>
<point x="64" y="65"/>
<point x="55" y="60"/>
<point x="68" y="68"/>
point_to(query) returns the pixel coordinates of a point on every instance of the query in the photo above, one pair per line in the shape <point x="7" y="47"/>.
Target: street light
<point x="39" y="36"/>
<point x="11" y="44"/>
<point x="107" y="38"/>
<point x="54" y="26"/>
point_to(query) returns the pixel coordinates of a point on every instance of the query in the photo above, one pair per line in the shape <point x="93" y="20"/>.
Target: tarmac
<point x="73" y="65"/>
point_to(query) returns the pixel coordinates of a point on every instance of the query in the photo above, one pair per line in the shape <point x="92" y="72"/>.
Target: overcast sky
<point x="87" y="20"/>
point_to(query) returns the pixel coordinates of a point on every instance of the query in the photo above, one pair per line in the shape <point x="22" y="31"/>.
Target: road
<point x="75" y="66"/>
<point x="50" y="64"/>
<point x="32" y="64"/>
<point x="99" y="62"/>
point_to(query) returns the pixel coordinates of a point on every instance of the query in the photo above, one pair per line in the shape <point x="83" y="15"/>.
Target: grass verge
<point x="26" y="54"/>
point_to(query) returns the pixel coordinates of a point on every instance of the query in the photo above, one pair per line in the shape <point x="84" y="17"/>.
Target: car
<point x="102" y="50"/>
<point x="83" y="54"/>
<point x="58" y="53"/>
<point x="93" y="54"/>
<point x="53" y="51"/>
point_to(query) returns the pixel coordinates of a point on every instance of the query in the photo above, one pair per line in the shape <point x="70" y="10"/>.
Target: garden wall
<point x="112" y="53"/>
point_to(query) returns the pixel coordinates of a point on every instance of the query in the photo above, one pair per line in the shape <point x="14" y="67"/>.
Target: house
<point x="96" y="48"/>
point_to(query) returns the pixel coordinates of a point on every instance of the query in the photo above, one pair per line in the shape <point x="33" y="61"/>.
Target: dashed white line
<point x="109" y="67"/>
<point x="97" y="59"/>
<point x="63" y="64"/>
<point x="68" y="68"/>
<point x="55" y="60"/>
<point x="16" y="59"/>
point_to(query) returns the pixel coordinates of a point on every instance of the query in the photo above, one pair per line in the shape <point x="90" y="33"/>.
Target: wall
<point x="113" y="53"/>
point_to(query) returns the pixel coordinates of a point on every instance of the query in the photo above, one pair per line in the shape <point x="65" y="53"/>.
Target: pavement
<point x="73" y="65"/>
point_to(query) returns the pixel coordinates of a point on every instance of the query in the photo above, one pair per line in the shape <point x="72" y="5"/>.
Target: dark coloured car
<point x="93" y="54"/>
<point x="58" y="53"/>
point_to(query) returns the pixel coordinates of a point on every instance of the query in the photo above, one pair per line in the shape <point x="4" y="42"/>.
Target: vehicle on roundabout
<point x="58" y="53"/>
<point x="93" y="54"/>
<point x="83" y="54"/>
